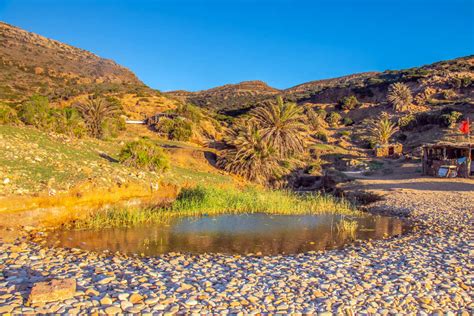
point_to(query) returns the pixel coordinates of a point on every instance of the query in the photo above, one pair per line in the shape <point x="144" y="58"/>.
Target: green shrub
<point x="189" y="111"/>
<point x="333" y="118"/>
<point x="449" y="119"/>
<point x="375" y="81"/>
<point x="347" y="121"/>
<point x="345" y="133"/>
<point x="348" y="103"/>
<point x="67" y="121"/>
<point x="144" y="154"/>
<point x="36" y="112"/>
<point x="407" y="122"/>
<point x="322" y="113"/>
<point x="448" y="94"/>
<point x="112" y="126"/>
<point x="8" y="115"/>
<point x="175" y="129"/>
<point x="322" y="136"/>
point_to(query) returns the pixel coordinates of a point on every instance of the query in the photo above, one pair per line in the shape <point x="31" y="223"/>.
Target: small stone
<point x="6" y="309"/>
<point x="123" y="296"/>
<point x="125" y="305"/>
<point x="105" y="300"/>
<point x="191" y="302"/>
<point x="92" y="292"/>
<point x="112" y="310"/>
<point x="135" y="298"/>
<point x="106" y="280"/>
<point x="151" y="300"/>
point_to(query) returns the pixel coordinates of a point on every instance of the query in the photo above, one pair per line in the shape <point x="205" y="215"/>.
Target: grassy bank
<point x="212" y="201"/>
<point x="39" y="169"/>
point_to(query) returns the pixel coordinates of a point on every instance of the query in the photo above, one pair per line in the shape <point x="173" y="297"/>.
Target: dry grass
<point x="86" y="196"/>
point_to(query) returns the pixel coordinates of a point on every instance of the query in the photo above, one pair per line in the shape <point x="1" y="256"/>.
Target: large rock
<point x="54" y="290"/>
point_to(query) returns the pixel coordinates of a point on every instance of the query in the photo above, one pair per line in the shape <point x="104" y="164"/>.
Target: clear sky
<point x="196" y="45"/>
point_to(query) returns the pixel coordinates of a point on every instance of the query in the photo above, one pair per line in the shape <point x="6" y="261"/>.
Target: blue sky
<point x="196" y="45"/>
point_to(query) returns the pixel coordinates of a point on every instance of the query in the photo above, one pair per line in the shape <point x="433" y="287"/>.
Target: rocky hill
<point x="230" y="96"/>
<point x="33" y="64"/>
<point x="439" y="81"/>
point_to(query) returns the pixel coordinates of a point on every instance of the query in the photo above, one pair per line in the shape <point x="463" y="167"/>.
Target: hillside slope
<point x="32" y="64"/>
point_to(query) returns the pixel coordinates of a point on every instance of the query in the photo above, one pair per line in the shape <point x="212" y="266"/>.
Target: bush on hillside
<point x="321" y="113"/>
<point x="448" y="94"/>
<point x="144" y="154"/>
<point x="445" y="118"/>
<point x="35" y="112"/>
<point x="333" y="118"/>
<point x="347" y="121"/>
<point x="67" y="121"/>
<point x="450" y="119"/>
<point x="322" y="136"/>
<point x="315" y="121"/>
<point x="8" y="115"/>
<point x="348" y="103"/>
<point x="175" y="129"/>
<point x="112" y="127"/>
<point x="189" y="111"/>
<point x="407" y="122"/>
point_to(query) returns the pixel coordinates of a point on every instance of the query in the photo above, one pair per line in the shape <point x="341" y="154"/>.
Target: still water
<point x="232" y="234"/>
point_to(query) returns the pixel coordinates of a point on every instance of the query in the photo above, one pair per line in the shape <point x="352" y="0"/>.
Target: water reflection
<point x="238" y="234"/>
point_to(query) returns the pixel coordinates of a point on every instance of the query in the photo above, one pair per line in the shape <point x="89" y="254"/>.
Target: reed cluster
<point x="203" y="201"/>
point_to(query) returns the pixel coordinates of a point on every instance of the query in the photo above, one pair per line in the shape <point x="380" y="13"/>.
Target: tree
<point x="251" y="156"/>
<point x="95" y="112"/>
<point x="283" y="126"/>
<point x="382" y="130"/>
<point x="399" y="95"/>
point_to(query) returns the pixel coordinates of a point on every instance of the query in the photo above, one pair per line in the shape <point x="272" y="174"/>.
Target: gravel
<point x="427" y="271"/>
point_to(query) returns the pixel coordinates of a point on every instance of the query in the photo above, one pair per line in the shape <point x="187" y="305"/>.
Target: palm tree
<point x="399" y="95"/>
<point x="251" y="156"/>
<point x="382" y="130"/>
<point x="283" y="126"/>
<point x="95" y="111"/>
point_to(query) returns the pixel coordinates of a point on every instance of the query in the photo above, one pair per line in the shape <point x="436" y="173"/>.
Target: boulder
<point x="54" y="290"/>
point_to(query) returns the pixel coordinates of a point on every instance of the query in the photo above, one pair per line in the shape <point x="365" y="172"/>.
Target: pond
<point x="233" y="234"/>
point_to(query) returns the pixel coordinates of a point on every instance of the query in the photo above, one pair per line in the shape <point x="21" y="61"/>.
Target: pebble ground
<point x="428" y="271"/>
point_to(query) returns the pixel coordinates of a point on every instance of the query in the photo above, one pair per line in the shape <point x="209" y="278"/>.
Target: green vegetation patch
<point x="202" y="200"/>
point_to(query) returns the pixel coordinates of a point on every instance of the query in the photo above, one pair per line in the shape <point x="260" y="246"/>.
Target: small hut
<point x="449" y="160"/>
<point x="388" y="150"/>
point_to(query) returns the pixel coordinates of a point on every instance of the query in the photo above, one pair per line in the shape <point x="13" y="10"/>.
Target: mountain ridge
<point x="367" y="86"/>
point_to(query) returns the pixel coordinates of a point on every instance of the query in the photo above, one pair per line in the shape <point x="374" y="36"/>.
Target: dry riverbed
<point x="429" y="270"/>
